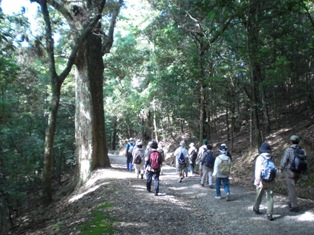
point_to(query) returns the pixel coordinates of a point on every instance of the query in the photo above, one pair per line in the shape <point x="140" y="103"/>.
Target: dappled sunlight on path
<point x="187" y="208"/>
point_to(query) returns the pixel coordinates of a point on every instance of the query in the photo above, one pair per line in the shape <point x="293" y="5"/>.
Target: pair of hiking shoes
<point x="227" y="197"/>
<point x="269" y="216"/>
<point x="149" y="191"/>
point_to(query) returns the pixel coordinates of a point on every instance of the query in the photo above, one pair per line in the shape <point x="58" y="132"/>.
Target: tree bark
<point x="202" y="112"/>
<point x="255" y="67"/>
<point x="114" y="133"/>
<point x="91" y="147"/>
<point x="266" y="119"/>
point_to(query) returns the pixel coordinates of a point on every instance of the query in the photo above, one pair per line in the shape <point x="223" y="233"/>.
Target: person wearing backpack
<point x="200" y="154"/>
<point x="264" y="182"/>
<point x="128" y="153"/>
<point x="208" y="161"/>
<point x="294" y="163"/>
<point x="162" y="153"/>
<point x="138" y="159"/>
<point x="228" y="153"/>
<point x="192" y="153"/>
<point x="181" y="159"/>
<point x="154" y="162"/>
<point x="146" y="156"/>
<point x="221" y="173"/>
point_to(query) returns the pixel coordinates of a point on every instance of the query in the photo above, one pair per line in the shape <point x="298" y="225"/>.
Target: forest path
<point x="179" y="209"/>
<point x="188" y="208"/>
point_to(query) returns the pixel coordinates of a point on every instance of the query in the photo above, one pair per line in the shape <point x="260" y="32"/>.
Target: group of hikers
<point x="145" y="161"/>
<point x="293" y="163"/>
<point x="214" y="169"/>
<point x="208" y="165"/>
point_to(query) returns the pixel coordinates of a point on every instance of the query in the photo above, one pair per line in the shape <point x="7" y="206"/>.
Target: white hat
<point x="191" y="144"/>
<point x="224" y="145"/>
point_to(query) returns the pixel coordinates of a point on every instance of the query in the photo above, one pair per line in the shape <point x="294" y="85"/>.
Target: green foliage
<point x="155" y="71"/>
<point x="23" y="98"/>
<point x="99" y="223"/>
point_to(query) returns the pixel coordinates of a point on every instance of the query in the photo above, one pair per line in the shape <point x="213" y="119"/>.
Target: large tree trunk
<point x="91" y="147"/>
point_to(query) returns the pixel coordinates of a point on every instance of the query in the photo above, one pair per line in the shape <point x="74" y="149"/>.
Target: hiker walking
<point x="208" y="160"/>
<point x="138" y="159"/>
<point x="181" y="158"/>
<point x="264" y="177"/>
<point x="294" y="164"/>
<point x="128" y="153"/>
<point x="162" y="153"/>
<point x="199" y="157"/>
<point x="154" y="161"/>
<point x="228" y="153"/>
<point x="192" y="153"/>
<point x="221" y="173"/>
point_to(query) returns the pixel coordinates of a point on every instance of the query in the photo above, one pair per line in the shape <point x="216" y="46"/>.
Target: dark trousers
<point x="129" y="160"/>
<point x="150" y="175"/>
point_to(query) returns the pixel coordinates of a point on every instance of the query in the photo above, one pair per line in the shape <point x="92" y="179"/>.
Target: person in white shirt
<point x="219" y="176"/>
<point x="199" y="161"/>
<point x="181" y="164"/>
<point x="192" y="157"/>
<point x="263" y="187"/>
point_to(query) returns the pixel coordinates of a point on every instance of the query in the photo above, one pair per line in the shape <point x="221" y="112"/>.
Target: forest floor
<point x="180" y="208"/>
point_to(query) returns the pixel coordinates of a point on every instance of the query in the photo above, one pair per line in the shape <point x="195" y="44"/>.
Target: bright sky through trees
<point x="137" y="10"/>
<point x="15" y="6"/>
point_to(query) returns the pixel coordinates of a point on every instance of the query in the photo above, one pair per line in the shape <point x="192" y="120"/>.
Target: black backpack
<point x="299" y="164"/>
<point x="209" y="159"/>
<point x="139" y="155"/>
<point x="181" y="159"/>
<point x="193" y="155"/>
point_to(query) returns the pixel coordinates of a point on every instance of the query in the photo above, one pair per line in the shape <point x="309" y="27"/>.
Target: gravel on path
<point x="188" y="208"/>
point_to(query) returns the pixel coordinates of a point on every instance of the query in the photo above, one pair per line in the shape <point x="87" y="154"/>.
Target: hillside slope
<point x="300" y="123"/>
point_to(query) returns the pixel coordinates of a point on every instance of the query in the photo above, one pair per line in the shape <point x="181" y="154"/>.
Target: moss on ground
<point x="100" y="222"/>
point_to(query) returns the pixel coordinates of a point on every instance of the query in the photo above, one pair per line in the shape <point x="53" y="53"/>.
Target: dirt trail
<point x="180" y="208"/>
<point x="188" y="208"/>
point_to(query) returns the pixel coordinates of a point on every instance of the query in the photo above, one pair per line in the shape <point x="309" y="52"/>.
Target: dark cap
<point x="265" y="148"/>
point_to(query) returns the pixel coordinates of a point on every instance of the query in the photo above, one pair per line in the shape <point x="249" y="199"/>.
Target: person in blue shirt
<point x="128" y="153"/>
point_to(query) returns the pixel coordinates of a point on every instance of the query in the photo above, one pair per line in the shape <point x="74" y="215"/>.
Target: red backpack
<point x="155" y="159"/>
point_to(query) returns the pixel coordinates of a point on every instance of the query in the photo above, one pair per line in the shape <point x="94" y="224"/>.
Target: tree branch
<point x="75" y="48"/>
<point x="308" y="14"/>
<point x="85" y="31"/>
<point x="222" y="30"/>
<point x="109" y="38"/>
<point x="49" y="39"/>
<point x="61" y="9"/>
